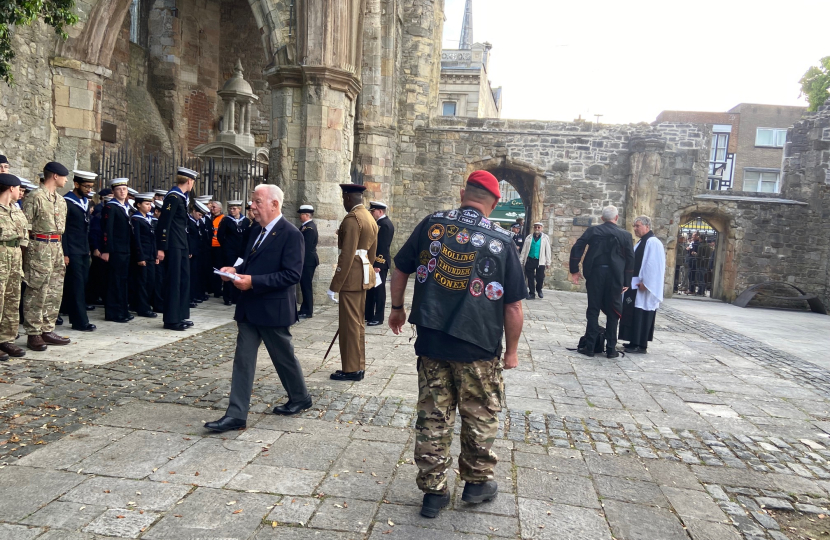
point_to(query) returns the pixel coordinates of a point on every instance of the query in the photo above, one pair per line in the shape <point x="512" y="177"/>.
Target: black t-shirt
<point x="439" y="345"/>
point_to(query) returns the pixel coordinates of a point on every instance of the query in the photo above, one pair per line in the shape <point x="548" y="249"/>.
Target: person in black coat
<point x="608" y="268"/>
<point x="171" y="241"/>
<point x="266" y="309"/>
<point x="310" y="261"/>
<point x="115" y="251"/>
<point x="96" y="290"/>
<point x="158" y="287"/>
<point x="143" y="267"/>
<point x="232" y="236"/>
<point x="195" y="240"/>
<point x="75" y="242"/>
<point x="376" y="296"/>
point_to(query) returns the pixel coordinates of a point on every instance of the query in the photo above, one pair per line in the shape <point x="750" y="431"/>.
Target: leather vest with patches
<point x="459" y="285"/>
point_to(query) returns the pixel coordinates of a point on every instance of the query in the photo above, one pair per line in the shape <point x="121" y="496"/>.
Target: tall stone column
<point x="645" y="165"/>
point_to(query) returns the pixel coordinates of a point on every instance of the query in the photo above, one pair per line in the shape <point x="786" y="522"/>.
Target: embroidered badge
<point x="435" y="248"/>
<point x="496" y="246"/>
<point x="438" y="214"/>
<point x="470" y="213"/>
<point x="422" y="273"/>
<point x="431" y="265"/>
<point x="424" y="256"/>
<point x="436" y="231"/>
<point x="478" y="239"/>
<point x="494" y="291"/>
<point x="467" y="220"/>
<point x="449" y="283"/>
<point x="486" y="266"/>
<point x="454" y="271"/>
<point x="455" y="256"/>
<point x="505" y="232"/>
<point x="452" y="214"/>
<point x="628" y="300"/>
<point x="485" y="223"/>
<point x="452" y="230"/>
<point x="462" y="237"/>
<point x="476" y="287"/>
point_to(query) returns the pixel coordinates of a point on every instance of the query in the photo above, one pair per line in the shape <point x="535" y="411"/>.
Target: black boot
<point x="433" y="503"/>
<point x="478" y="493"/>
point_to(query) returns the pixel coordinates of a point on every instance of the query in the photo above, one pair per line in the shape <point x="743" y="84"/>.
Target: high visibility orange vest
<point x="216" y="221"/>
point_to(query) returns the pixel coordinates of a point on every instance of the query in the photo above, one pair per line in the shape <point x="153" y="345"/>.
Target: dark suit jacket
<point x="118" y="232"/>
<point x="75" y="238"/>
<point x="233" y="237"/>
<point x="309" y="230"/>
<point x="144" y="241"/>
<point x="608" y="244"/>
<point x="275" y="269"/>
<point x="386" y="231"/>
<point x="171" y="230"/>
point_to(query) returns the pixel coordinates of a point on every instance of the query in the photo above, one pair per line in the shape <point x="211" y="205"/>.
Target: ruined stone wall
<point x="27" y="135"/>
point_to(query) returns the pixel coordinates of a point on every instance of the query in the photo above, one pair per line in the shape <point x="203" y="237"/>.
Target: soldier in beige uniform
<point x="44" y="265"/>
<point x="357" y="239"/>
<point x="13" y="236"/>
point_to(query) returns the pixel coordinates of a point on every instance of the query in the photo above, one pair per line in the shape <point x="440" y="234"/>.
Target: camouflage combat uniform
<point x="477" y="389"/>
<point x="13" y="235"/>
<point x="43" y="268"/>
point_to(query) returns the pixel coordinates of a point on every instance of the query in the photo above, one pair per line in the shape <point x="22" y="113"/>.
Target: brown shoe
<point x="12" y="350"/>
<point x="53" y="339"/>
<point x="35" y="343"/>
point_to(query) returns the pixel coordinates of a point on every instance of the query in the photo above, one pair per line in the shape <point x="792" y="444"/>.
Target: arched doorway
<point x="702" y="256"/>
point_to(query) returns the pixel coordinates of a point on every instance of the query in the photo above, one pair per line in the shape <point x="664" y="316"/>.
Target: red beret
<point x="485" y="180"/>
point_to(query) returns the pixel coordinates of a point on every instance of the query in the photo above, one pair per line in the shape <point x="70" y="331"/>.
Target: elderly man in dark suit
<point x="272" y="266"/>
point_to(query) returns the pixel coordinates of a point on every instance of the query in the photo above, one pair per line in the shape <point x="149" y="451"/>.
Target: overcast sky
<point x="629" y="60"/>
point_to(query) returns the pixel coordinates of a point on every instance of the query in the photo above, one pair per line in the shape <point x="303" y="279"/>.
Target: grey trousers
<point x="278" y="342"/>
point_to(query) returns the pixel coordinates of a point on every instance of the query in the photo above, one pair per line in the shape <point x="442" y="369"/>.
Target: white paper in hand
<point x="226" y="274"/>
<point x="635" y="281"/>
<point x="378" y="281"/>
<point x="239" y="261"/>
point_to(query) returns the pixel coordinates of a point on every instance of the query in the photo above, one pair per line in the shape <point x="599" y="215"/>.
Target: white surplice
<point x="652" y="274"/>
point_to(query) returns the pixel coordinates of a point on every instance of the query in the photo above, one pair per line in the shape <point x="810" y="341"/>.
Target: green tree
<point x="55" y="13"/>
<point x="815" y="83"/>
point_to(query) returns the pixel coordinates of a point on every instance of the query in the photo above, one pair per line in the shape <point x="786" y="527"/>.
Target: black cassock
<point x="637" y="325"/>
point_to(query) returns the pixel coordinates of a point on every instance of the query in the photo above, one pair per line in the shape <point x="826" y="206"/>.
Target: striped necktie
<point x="258" y="241"/>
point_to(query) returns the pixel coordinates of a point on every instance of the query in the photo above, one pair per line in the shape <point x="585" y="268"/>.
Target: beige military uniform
<point x="43" y="267"/>
<point x="357" y="239"/>
<point x="13" y="235"/>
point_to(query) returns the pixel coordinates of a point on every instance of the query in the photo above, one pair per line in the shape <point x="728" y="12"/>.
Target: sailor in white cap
<point x="376" y="296"/>
<point x="159" y="194"/>
<point x="310" y="262"/>
<point x="115" y="251"/>
<point x="143" y="266"/>
<point x="232" y="235"/>
<point x="196" y="233"/>
<point x="171" y="241"/>
<point x="76" y="250"/>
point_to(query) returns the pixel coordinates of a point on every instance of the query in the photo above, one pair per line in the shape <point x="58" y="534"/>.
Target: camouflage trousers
<point x="11" y="273"/>
<point x="43" y="270"/>
<point x="477" y="390"/>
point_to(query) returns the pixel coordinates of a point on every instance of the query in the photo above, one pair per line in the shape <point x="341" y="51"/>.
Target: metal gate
<point x="224" y="177"/>
<point x="695" y="258"/>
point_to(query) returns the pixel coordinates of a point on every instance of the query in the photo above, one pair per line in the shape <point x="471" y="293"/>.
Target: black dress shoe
<point x="227" y="302"/>
<point x="374" y="323"/>
<point x="433" y="503"/>
<point x="303" y="316"/>
<point x="636" y="350"/>
<point x="187" y="322"/>
<point x="226" y="423"/>
<point x="289" y="408"/>
<point x="148" y="314"/>
<point x="344" y="376"/>
<point x="59" y="320"/>
<point x="90" y="307"/>
<point x="586" y="352"/>
<point x="193" y="305"/>
<point x="198" y="300"/>
<point x="89" y="327"/>
<point x="131" y="317"/>
<point x="207" y="297"/>
<point x="179" y="327"/>
<point x="118" y="320"/>
<point x="612" y="354"/>
<point x="541" y="295"/>
<point x="531" y="297"/>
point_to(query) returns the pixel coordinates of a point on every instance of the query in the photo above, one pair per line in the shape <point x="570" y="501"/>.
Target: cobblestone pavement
<point x="705" y="437"/>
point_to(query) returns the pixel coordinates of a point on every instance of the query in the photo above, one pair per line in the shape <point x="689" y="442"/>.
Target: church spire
<point x="466" y="41"/>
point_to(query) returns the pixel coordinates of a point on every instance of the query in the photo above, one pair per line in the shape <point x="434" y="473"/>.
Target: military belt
<point x="47" y="237"/>
<point x="10" y="243"/>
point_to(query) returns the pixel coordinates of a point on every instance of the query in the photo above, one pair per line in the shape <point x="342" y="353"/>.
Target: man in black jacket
<point x="310" y="261"/>
<point x="96" y="291"/>
<point x="143" y="267"/>
<point x="197" y="248"/>
<point x="608" y="267"/>
<point x="232" y="236"/>
<point x="171" y="241"/>
<point x="115" y="251"/>
<point x="266" y="309"/>
<point x="76" y="251"/>
<point x="376" y="296"/>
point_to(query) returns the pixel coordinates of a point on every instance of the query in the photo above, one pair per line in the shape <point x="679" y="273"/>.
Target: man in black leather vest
<point x="608" y="267"/>
<point x="468" y="292"/>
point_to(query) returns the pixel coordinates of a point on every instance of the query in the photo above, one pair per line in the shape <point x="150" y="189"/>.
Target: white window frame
<point x="779" y="137"/>
<point x="454" y="108"/>
<point x="761" y="172"/>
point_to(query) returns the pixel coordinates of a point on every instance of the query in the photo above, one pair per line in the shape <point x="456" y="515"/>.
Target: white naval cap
<point x="84" y="176"/>
<point x="377" y="205"/>
<point x="305" y="209"/>
<point x="131" y="202"/>
<point x="235" y="203"/>
<point x="158" y="204"/>
<point x="200" y="206"/>
<point x="115" y="182"/>
<point x="141" y="197"/>
<point x="132" y="191"/>
<point x="161" y="192"/>
<point x="189" y="173"/>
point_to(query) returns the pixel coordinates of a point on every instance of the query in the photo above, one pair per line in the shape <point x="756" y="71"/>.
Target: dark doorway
<point x="696" y="263"/>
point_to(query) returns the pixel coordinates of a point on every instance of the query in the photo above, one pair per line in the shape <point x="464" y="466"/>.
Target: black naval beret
<point x="56" y="168"/>
<point x="9" y="180"/>
<point x="3" y="159"/>
<point x="104" y="192"/>
<point x="352" y="188"/>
